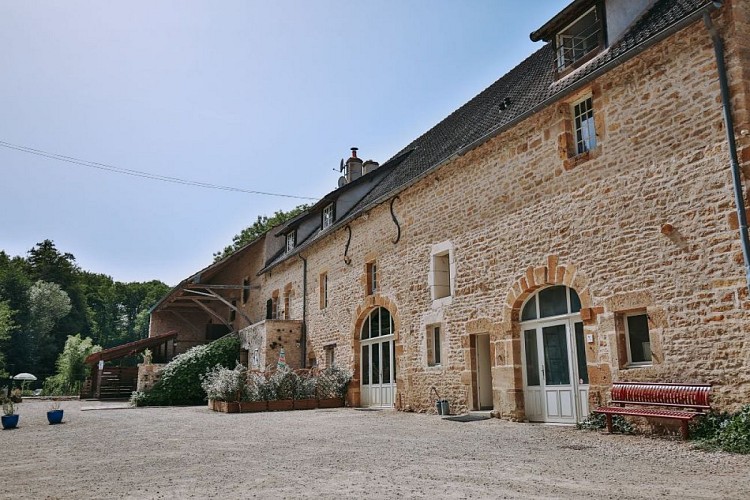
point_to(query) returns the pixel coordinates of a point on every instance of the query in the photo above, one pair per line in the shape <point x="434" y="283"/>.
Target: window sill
<point x="580" y="159"/>
<point x="442" y="302"/>
<point x="631" y="366"/>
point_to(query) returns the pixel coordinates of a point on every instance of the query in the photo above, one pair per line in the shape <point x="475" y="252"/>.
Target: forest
<point x="45" y="297"/>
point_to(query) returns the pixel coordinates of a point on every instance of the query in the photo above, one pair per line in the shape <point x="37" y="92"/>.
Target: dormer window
<point x="328" y="216"/>
<point x="578" y="39"/>
<point x="291" y="241"/>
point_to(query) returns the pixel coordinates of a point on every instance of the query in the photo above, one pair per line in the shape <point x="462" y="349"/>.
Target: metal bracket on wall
<point x="347" y="259"/>
<point x="395" y="221"/>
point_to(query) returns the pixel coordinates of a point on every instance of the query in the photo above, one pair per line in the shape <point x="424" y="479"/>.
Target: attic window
<point x="578" y="39"/>
<point x="328" y="216"/>
<point x="291" y="241"/>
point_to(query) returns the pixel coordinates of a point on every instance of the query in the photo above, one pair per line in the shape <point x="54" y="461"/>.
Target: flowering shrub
<point x="223" y="384"/>
<point x="180" y="382"/>
<point x="301" y="384"/>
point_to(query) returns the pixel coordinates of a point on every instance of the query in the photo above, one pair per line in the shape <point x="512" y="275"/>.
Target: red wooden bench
<point x="692" y="398"/>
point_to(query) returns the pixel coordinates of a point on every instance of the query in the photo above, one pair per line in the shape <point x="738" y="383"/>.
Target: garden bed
<point x="277" y="405"/>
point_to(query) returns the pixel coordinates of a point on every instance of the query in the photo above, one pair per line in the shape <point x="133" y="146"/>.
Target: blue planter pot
<point x="10" y="421"/>
<point x="54" y="416"/>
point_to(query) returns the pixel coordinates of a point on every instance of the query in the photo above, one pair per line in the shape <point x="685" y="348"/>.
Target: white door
<point x="377" y="360"/>
<point x="555" y="375"/>
<point x="378" y="374"/>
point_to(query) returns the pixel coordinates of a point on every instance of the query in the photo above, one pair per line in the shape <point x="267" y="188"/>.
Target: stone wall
<point x="268" y="338"/>
<point x="148" y="375"/>
<point x="643" y="222"/>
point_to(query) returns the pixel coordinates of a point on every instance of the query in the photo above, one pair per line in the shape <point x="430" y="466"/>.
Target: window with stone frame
<point x="637" y="338"/>
<point x="328" y="216"/>
<point x="371" y="271"/>
<point x="330" y="352"/>
<point x="584" y="128"/>
<point x="323" y="290"/>
<point x="272" y="306"/>
<point x="434" y="345"/>
<point x="579" y="39"/>
<point x="287" y="304"/>
<point x="441" y="277"/>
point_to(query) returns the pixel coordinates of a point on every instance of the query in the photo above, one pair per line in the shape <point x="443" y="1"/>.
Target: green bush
<point x="707" y="427"/>
<point x="734" y="435"/>
<point x="180" y="381"/>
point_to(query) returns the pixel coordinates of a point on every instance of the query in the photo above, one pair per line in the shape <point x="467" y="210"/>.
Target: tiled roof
<point x="530" y="86"/>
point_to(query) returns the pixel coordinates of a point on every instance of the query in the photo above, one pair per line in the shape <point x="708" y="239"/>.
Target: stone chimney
<point x="369" y="166"/>
<point x="353" y="167"/>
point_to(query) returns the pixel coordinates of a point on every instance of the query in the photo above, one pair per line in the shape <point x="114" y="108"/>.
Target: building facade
<point x="572" y="225"/>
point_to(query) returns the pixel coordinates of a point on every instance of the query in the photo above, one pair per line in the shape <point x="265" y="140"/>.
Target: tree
<point x="260" y="226"/>
<point x="6" y="325"/>
<point x="48" y="303"/>
<point x="71" y="369"/>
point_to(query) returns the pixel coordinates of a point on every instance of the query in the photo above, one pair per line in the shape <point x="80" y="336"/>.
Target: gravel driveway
<point x="343" y="453"/>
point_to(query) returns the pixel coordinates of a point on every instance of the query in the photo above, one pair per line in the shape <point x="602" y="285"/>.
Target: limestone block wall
<point x="645" y="222"/>
<point x="148" y="375"/>
<point x="268" y="337"/>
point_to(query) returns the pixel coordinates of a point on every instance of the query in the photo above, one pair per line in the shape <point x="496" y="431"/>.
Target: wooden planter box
<point x="227" y="406"/>
<point x="331" y="403"/>
<point x="253" y="406"/>
<point x="305" y="404"/>
<point x="212" y="405"/>
<point x="281" y="405"/>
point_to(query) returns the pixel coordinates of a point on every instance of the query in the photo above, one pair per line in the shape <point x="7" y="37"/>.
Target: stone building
<point x="573" y="224"/>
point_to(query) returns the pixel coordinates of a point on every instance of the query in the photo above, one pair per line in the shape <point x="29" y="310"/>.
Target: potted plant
<point x="10" y="417"/>
<point x="304" y="394"/>
<point x="224" y="387"/>
<point x="256" y="390"/>
<point x="283" y="383"/>
<point x="55" y="413"/>
<point x="333" y="383"/>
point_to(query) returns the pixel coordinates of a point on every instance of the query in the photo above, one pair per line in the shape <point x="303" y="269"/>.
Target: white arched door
<point x="377" y="359"/>
<point x="556" y="383"/>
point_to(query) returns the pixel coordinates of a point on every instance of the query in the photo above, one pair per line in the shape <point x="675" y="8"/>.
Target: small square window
<point x="323" y="290"/>
<point x="372" y="278"/>
<point x="291" y="241"/>
<point x="329" y="214"/>
<point x="583" y="121"/>
<point x="637" y="339"/>
<point x="434" y="345"/>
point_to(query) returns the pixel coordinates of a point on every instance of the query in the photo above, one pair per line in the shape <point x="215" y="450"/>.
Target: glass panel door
<point x="557" y="369"/>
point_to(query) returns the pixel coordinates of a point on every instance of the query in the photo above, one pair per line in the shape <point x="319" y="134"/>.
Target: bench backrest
<point x="685" y="395"/>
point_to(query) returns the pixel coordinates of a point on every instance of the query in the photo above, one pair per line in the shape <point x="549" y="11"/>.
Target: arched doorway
<point x="377" y="359"/>
<point x="555" y="377"/>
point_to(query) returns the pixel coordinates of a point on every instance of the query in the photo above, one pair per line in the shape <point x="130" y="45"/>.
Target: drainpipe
<point x="729" y="126"/>
<point x="304" y="311"/>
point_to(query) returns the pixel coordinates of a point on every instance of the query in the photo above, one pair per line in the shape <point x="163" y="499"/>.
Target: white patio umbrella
<point x="24" y="376"/>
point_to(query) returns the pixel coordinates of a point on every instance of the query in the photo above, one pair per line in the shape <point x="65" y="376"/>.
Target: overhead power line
<point x="139" y="173"/>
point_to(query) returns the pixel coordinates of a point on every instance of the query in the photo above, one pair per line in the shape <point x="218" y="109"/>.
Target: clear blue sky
<point x="261" y="95"/>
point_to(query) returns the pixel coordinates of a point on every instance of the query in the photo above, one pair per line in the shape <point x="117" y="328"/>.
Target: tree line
<point x="46" y="297"/>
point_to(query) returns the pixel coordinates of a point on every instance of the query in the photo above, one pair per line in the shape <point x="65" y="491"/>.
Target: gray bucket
<point x="443" y="408"/>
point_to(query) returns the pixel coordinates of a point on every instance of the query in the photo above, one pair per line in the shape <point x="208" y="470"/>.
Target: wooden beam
<point x="198" y="293"/>
<point x="223" y="287"/>
<point x="214" y="314"/>
<point x="232" y="307"/>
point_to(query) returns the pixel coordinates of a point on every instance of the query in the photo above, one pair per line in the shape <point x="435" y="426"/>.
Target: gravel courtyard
<point x="343" y="453"/>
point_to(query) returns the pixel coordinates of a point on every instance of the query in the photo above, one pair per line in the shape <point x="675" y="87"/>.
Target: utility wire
<point x="138" y="173"/>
